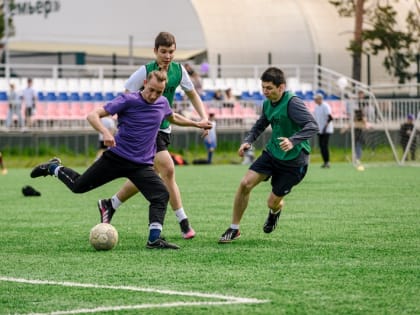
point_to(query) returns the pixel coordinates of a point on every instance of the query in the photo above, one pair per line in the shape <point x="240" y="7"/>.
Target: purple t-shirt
<point x="138" y="125"/>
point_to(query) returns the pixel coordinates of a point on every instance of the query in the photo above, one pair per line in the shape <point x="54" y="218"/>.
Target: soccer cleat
<point x="44" y="169"/>
<point x="187" y="231"/>
<point x="271" y="222"/>
<point x="229" y="236"/>
<point x="106" y="211"/>
<point x="161" y="243"/>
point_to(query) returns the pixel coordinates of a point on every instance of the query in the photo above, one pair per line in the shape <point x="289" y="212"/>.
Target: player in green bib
<point x="165" y="47"/>
<point x="285" y="157"/>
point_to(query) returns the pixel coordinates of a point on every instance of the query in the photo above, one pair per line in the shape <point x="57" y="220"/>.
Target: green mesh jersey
<point x="174" y="79"/>
<point x="282" y="126"/>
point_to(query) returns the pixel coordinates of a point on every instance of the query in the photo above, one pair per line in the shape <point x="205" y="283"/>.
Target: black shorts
<point x="102" y="145"/>
<point x="283" y="177"/>
<point x="29" y="111"/>
<point x="163" y="141"/>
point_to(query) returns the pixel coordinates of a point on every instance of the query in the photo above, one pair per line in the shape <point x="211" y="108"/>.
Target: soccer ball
<point x="103" y="236"/>
<point x="360" y="168"/>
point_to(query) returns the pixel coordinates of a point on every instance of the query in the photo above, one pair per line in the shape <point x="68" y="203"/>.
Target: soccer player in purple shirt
<point x="131" y="151"/>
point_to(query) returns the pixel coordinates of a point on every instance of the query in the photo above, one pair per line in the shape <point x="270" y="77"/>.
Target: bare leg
<point x="164" y="165"/>
<point x="127" y="191"/>
<point x="248" y="182"/>
<point x="274" y="202"/>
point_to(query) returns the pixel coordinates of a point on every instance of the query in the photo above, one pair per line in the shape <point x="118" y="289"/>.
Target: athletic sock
<point x="154" y="231"/>
<point x="180" y="214"/>
<point x="115" y="202"/>
<point x="274" y="212"/>
<point x="234" y="226"/>
<point x="54" y="170"/>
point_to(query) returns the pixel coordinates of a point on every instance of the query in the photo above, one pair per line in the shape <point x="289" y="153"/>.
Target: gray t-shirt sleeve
<point x="299" y="113"/>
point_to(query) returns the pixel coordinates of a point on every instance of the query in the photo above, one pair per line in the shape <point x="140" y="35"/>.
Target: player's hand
<point x="285" y="144"/>
<point x="109" y="140"/>
<point x="244" y="147"/>
<point x="205" y="124"/>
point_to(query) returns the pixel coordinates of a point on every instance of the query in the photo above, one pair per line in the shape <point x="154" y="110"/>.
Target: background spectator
<point x="29" y="100"/>
<point x="15" y="108"/>
<point x="210" y="141"/>
<point x="195" y="78"/>
<point x="324" y="119"/>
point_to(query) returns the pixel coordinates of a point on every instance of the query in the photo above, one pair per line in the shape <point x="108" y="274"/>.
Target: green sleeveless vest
<point x="282" y="126"/>
<point x="174" y="79"/>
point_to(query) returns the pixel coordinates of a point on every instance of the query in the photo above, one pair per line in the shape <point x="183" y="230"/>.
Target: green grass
<point x="348" y="242"/>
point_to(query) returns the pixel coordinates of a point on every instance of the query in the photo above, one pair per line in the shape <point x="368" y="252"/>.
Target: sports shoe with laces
<point x="271" y="222"/>
<point x="44" y="169"/>
<point x="187" y="231"/>
<point x="106" y="211"/>
<point x="229" y="236"/>
<point x="161" y="243"/>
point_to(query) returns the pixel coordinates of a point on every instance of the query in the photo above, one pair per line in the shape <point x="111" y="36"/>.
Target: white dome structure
<point x="232" y="33"/>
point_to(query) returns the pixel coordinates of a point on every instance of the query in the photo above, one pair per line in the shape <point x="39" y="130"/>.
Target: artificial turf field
<point x="348" y="242"/>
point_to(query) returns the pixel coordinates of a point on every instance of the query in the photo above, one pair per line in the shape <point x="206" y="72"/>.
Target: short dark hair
<point x="274" y="75"/>
<point x="164" y="39"/>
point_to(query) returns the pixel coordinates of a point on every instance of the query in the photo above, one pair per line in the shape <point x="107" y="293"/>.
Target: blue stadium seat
<point x="309" y="95"/>
<point x="98" y="97"/>
<point x="41" y="96"/>
<point x="63" y="96"/>
<point x="109" y="96"/>
<point x="300" y="94"/>
<point x="246" y="96"/>
<point x="178" y="96"/>
<point x="332" y="97"/>
<point x="86" y="96"/>
<point x="51" y="97"/>
<point x="257" y="96"/>
<point x="74" y="97"/>
<point x="207" y="95"/>
<point x="3" y="96"/>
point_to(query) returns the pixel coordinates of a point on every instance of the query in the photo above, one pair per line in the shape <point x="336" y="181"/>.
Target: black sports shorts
<point x="163" y="141"/>
<point x="283" y="177"/>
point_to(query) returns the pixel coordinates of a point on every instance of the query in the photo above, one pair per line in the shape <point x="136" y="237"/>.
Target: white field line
<point x="225" y="299"/>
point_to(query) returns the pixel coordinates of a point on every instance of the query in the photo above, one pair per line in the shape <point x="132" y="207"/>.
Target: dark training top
<point x="299" y="114"/>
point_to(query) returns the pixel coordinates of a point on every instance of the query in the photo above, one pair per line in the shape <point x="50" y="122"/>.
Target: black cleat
<point x="161" y="243"/>
<point x="44" y="169"/>
<point x="106" y="211"/>
<point x="229" y="236"/>
<point x="271" y="222"/>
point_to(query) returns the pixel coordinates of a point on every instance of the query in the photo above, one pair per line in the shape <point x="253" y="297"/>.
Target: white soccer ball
<point x="103" y="236"/>
<point x="360" y="168"/>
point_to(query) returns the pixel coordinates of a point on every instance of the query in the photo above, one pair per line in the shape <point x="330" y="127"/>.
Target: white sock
<point x="115" y="202"/>
<point x="56" y="171"/>
<point x="155" y="226"/>
<point x="234" y="226"/>
<point x="180" y="214"/>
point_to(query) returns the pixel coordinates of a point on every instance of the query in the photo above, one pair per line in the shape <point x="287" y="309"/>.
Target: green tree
<point x="376" y="30"/>
<point x="2" y="20"/>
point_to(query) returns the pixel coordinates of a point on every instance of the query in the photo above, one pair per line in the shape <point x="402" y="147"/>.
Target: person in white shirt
<point x="325" y="123"/>
<point x="15" y="107"/>
<point x="29" y="101"/>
